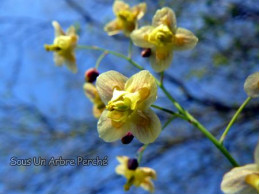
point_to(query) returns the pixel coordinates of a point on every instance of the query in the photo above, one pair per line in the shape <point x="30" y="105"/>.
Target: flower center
<point x="122" y="104"/>
<point x="160" y="36"/>
<point x="125" y="16"/>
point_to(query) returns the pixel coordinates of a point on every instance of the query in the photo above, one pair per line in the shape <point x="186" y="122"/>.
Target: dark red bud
<point x="132" y="164"/>
<point x="146" y="53"/>
<point x="91" y="75"/>
<point x="128" y="138"/>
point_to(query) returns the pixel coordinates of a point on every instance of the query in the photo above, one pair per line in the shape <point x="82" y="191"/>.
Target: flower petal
<point x="57" y="28"/>
<point x="143" y="176"/>
<point x="139" y="10"/>
<point x="161" y="58"/>
<point x="109" y="130"/>
<point x="251" y="85"/>
<point x="140" y="37"/>
<point x="113" y="27"/>
<point x="234" y="181"/>
<point x="122" y="167"/>
<point x="165" y="16"/>
<point x="146" y="126"/>
<point x="107" y="82"/>
<point x="71" y="31"/>
<point x="90" y="91"/>
<point x="119" y="6"/>
<point x="184" y="39"/>
<point x="144" y="83"/>
<point x="58" y="59"/>
<point x="70" y="61"/>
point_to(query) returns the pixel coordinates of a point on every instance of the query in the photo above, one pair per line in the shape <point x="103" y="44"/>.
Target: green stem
<point x="130" y="48"/>
<point x="234" y="118"/>
<point x="161" y="79"/>
<point x="140" y="154"/>
<point x="111" y="52"/>
<point x="100" y="58"/>
<point x="168" y="122"/>
<point x="168" y="111"/>
<point x="186" y="115"/>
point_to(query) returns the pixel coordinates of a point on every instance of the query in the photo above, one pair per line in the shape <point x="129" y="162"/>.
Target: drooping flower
<point x="251" y="85"/>
<point x="244" y="179"/>
<point x="92" y="93"/>
<point x="128" y="104"/>
<point x="139" y="177"/>
<point x="163" y="37"/>
<point x="126" y="18"/>
<point x="64" y="46"/>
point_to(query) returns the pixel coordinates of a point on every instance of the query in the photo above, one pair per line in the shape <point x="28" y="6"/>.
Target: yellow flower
<point x="91" y="92"/>
<point x="163" y="37"/>
<point x="63" y="47"/>
<point x="128" y="106"/>
<point x="244" y="179"/>
<point x="126" y="18"/>
<point x="251" y="85"/>
<point x="141" y="176"/>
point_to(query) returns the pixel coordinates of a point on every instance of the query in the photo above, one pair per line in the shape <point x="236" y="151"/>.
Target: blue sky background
<point x="44" y="112"/>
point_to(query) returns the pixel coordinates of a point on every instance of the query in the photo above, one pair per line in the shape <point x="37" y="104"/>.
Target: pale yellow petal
<point x="109" y="130"/>
<point x="70" y="61"/>
<point x="140" y="37"/>
<point x="119" y="6"/>
<point x="144" y="83"/>
<point x="71" y="31"/>
<point x="97" y="111"/>
<point x="143" y="176"/>
<point x="165" y="16"/>
<point x="113" y="27"/>
<point x="251" y="85"/>
<point x="139" y="10"/>
<point x="90" y="91"/>
<point x="58" y="59"/>
<point x="122" y="167"/>
<point x="146" y="126"/>
<point x="107" y="82"/>
<point x="57" y="28"/>
<point x="148" y="185"/>
<point x="234" y="181"/>
<point x="161" y="58"/>
<point x="184" y="39"/>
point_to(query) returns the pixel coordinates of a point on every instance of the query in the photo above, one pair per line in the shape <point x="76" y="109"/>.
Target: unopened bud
<point x="132" y="164"/>
<point x="91" y="75"/>
<point x="146" y="53"/>
<point x="128" y="138"/>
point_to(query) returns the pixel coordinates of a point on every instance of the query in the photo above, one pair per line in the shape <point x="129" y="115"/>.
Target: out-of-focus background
<point x="44" y="112"/>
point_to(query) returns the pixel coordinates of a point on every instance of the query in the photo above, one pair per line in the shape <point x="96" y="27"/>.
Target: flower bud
<point x="132" y="164"/>
<point x="91" y="75"/>
<point x="128" y="138"/>
<point x="146" y="53"/>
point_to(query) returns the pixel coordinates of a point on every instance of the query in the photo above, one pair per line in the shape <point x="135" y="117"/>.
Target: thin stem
<point x="168" y="122"/>
<point x="168" y="111"/>
<point x="186" y="115"/>
<point x="130" y="48"/>
<point x="140" y="153"/>
<point x="111" y="52"/>
<point x="234" y="118"/>
<point x="100" y="58"/>
<point x="161" y="79"/>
